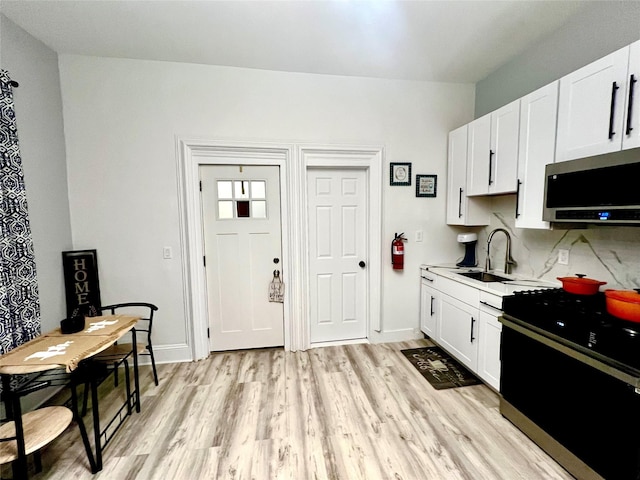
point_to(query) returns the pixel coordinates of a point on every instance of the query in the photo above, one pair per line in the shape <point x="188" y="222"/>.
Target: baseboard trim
<point x="336" y="343"/>
<point x="176" y="353"/>
<point x="404" y="335"/>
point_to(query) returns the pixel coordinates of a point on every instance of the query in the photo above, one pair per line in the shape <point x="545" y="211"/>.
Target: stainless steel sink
<point x="485" y="277"/>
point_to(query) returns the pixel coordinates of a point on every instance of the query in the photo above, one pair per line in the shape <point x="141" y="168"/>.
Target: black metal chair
<point x="119" y="352"/>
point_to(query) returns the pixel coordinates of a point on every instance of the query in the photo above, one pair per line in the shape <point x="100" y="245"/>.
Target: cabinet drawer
<point x="462" y="292"/>
<point x="429" y="279"/>
<point x="490" y="302"/>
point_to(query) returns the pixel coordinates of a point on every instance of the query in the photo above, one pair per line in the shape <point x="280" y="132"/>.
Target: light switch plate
<point x="167" y="253"/>
<point x="419" y="234"/>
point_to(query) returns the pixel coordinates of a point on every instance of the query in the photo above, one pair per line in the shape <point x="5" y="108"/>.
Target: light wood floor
<point x="349" y="412"/>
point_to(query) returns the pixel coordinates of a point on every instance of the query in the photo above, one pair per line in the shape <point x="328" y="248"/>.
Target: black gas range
<point x="581" y="321"/>
<point x="570" y="380"/>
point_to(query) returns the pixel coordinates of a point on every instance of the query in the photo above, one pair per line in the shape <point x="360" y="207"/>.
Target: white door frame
<point x="293" y="161"/>
<point x="370" y="160"/>
<point x="191" y="155"/>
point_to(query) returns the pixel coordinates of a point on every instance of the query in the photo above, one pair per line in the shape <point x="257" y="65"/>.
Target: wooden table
<point x="55" y="351"/>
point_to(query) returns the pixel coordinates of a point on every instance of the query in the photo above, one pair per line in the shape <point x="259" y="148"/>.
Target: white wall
<point x="38" y="106"/>
<point x="121" y="122"/>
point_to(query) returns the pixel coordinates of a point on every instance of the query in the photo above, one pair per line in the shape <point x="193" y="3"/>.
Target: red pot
<point x="580" y="285"/>
<point x="624" y="304"/>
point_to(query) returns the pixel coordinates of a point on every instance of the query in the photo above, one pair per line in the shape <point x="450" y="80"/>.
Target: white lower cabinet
<point x="429" y="309"/>
<point x="459" y="329"/>
<point x="463" y="320"/>
<point x="489" y="333"/>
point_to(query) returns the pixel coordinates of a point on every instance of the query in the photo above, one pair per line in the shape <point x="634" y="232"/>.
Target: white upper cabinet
<point x="538" y="114"/>
<point x="592" y="108"/>
<point x="504" y="143"/>
<point x="480" y="155"/>
<point x="493" y="152"/>
<point x="462" y="210"/>
<point x="631" y="134"/>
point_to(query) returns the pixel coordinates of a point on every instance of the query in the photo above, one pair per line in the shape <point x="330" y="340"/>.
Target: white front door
<point x="242" y="240"/>
<point x="337" y="203"/>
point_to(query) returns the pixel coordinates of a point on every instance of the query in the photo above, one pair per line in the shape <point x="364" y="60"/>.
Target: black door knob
<point x="362" y="264"/>
<point x="276" y="260"/>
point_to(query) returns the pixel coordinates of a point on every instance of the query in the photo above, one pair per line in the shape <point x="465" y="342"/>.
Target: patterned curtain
<point x="19" y="305"/>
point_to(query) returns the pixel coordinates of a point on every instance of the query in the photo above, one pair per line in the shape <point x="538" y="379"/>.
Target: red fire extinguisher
<point x="397" y="252"/>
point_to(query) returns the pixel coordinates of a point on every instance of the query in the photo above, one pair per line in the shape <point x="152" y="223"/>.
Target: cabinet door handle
<point x="427" y="279"/>
<point x="491" y="154"/>
<point x="632" y="81"/>
<point x="518" y="198"/>
<point x="460" y="204"/>
<point x="432" y="305"/>
<point x="473" y="320"/>
<point x="614" y="89"/>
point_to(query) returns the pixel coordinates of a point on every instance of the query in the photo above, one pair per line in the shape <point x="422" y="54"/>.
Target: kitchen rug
<point x="439" y="368"/>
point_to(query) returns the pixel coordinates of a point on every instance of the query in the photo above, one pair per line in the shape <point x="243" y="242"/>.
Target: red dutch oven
<point x="624" y="304"/>
<point x="580" y="285"/>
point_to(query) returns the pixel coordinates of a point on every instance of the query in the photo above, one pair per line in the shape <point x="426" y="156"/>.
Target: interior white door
<point x="242" y="238"/>
<point x="337" y="203"/>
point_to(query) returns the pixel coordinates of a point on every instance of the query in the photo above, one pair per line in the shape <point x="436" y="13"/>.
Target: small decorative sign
<point x="426" y="185"/>
<point x="400" y="174"/>
<point x="81" y="284"/>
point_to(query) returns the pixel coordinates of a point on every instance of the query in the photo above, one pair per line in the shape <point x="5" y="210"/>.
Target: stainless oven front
<point x="582" y="411"/>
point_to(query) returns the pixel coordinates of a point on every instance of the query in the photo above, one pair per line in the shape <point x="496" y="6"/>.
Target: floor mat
<point x="439" y="368"/>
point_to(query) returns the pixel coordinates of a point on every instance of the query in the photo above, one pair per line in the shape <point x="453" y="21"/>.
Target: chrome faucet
<point x="508" y="260"/>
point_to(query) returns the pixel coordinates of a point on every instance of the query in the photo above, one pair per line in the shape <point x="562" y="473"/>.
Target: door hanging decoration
<point x="276" y="288"/>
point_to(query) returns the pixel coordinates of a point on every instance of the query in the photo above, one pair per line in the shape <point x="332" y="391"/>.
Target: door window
<point x="242" y="199"/>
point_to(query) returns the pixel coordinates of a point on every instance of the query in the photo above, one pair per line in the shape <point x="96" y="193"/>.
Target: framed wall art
<point x="400" y="174"/>
<point x="426" y="185"/>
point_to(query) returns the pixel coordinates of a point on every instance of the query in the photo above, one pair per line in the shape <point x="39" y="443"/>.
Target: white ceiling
<point x="449" y="41"/>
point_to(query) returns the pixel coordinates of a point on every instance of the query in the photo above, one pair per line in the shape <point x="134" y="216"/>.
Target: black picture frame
<point x="426" y="185"/>
<point x="400" y="174"/>
<point x="81" y="283"/>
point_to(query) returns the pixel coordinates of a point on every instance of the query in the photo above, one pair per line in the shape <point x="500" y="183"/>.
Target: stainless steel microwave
<point x="604" y="189"/>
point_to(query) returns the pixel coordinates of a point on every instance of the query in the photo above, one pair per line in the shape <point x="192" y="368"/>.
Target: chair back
<point x="142" y="309"/>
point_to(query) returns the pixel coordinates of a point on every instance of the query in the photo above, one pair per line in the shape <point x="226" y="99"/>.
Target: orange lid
<point x="629" y="296"/>
<point x="581" y="280"/>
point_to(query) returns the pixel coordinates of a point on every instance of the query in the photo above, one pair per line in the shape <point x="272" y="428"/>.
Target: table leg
<point x="136" y="378"/>
<point x="83" y="430"/>
<point x="96" y="421"/>
<point x="14" y="412"/>
<point x="127" y="383"/>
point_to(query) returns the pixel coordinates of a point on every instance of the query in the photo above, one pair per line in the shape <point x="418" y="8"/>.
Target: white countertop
<point x="517" y="283"/>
